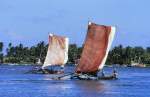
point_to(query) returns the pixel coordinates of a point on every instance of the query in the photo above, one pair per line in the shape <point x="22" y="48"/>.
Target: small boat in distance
<point x="39" y="62"/>
<point x="95" y="51"/>
<point x="57" y="54"/>
<point x="137" y="63"/>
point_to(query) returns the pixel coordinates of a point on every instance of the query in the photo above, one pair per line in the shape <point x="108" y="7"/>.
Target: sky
<point x="30" y="21"/>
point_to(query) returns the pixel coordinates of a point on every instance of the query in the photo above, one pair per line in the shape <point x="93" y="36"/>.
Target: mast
<point x="57" y="53"/>
<point x="96" y="47"/>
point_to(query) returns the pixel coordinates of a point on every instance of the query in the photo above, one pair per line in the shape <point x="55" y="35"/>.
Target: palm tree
<point x="1" y="54"/>
<point x="1" y="46"/>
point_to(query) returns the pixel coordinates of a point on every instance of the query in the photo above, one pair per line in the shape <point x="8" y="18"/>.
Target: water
<point x="132" y="82"/>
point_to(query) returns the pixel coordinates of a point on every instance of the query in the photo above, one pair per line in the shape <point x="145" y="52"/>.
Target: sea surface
<point x="15" y="82"/>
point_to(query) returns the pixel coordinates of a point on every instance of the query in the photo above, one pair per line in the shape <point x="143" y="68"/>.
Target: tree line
<point x="128" y="55"/>
<point x="29" y="55"/>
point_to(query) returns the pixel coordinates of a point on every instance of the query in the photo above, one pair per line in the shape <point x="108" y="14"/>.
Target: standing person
<point x="114" y="73"/>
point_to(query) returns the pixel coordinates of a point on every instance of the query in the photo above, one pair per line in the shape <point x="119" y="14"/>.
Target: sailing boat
<point x="96" y="48"/>
<point x="95" y="51"/>
<point x="137" y="63"/>
<point x="57" y="54"/>
<point x="39" y="61"/>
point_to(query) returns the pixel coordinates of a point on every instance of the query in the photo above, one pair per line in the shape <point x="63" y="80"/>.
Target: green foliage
<point x="118" y="55"/>
<point x="127" y="55"/>
<point x="73" y="53"/>
<point x="21" y="54"/>
<point x="1" y="54"/>
<point x="1" y="46"/>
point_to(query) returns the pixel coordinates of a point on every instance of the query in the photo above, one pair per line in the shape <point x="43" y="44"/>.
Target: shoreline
<point x="31" y="64"/>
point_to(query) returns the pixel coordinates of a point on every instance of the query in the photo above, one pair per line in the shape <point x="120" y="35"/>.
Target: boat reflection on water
<point x="76" y="88"/>
<point x="85" y="86"/>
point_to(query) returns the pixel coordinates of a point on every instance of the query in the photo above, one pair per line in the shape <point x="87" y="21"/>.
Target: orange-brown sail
<point x="96" y="48"/>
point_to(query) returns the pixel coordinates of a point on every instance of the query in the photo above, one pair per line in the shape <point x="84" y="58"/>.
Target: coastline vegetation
<point x="29" y="55"/>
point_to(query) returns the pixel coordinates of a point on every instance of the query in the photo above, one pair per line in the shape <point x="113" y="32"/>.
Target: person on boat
<point x="45" y="71"/>
<point x="114" y="73"/>
<point x="61" y="70"/>
<point x="103" y="75"/>
<point x="77" y="62"/>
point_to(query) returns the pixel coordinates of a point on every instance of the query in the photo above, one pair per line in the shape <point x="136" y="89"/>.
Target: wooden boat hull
<point x="45" y="71"/>
<point x="107" y="77"/>
<point x="84" y="77"/>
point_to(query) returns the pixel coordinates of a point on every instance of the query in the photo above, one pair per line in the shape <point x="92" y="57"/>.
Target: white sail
<point x="66" y="50"/>
<point x="110" y="40"/>
<point x="57" y="53"/>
